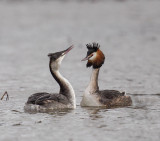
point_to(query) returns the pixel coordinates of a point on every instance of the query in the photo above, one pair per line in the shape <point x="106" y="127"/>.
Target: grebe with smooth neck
<point x="65" y="99"/>
<point x="92" y="95"/>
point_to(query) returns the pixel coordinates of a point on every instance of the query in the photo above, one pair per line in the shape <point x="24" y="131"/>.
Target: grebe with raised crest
<point x="65" y="99"/>
<point x="92" y="95"/>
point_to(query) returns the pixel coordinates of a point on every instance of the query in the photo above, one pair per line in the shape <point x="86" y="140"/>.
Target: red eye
<point x="90" y="56"/>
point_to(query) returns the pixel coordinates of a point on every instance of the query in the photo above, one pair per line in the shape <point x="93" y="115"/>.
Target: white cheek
<point x="54" y="65"/>
<point x="60" y="60"/>
<point x="94" y="56"/>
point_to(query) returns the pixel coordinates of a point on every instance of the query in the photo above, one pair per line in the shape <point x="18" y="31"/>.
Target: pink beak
<point x="86" y="58"/>
<point x="67" y="50"/>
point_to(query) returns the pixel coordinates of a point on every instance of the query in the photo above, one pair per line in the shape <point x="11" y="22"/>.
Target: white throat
<point x="89" y="97"/>
<point x="69" y="88"/>
<point x="65" y="87"/>
<point x="93" y="84"/>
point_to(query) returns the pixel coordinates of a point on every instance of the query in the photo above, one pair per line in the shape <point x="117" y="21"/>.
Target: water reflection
<point x="59" y="112"/>
<point x="141" y="110"/>
<point x="94" y="112"/>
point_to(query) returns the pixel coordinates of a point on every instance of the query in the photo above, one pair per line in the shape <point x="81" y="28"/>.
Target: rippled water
<point x="129" y="34"/>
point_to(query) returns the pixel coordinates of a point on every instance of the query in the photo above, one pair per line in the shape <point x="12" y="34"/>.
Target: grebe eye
<point x="90" y="55"/>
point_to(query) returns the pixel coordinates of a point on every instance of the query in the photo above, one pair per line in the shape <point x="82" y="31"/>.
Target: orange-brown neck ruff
<point x="98" y="61"/>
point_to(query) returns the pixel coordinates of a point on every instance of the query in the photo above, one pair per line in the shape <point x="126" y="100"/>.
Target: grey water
<point x="129" y="34"/>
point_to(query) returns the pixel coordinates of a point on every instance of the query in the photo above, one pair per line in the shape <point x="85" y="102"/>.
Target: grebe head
<point x="94" y="56"/>
<point x="56" y="58"/>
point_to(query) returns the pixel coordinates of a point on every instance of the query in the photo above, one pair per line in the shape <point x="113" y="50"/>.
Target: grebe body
<point x="92" y="95"/>
<point x="65" y="99"/>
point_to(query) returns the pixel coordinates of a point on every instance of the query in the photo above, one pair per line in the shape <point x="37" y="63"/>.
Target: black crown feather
<point x="93" y="46"/>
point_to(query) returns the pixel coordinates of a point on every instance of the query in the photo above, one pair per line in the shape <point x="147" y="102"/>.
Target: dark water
<point x="129" y="34"/>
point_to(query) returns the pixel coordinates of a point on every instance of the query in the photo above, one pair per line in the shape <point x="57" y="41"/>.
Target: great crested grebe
<point x="65" y="99"/>
<point x="92" y="95"/>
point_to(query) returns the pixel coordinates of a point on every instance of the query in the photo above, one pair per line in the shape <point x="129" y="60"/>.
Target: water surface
<point x="129" y="34"/>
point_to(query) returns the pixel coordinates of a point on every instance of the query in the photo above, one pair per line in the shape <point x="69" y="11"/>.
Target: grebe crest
<point x="94" y="56"/>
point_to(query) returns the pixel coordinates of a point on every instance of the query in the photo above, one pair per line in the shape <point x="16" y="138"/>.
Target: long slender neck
<point x="65" y="87"/>
<point x="93" y="85"/>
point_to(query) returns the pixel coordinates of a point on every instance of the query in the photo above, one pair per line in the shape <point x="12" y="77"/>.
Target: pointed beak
<point x="86" y="58"/>
<point x="68" y="49"/>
